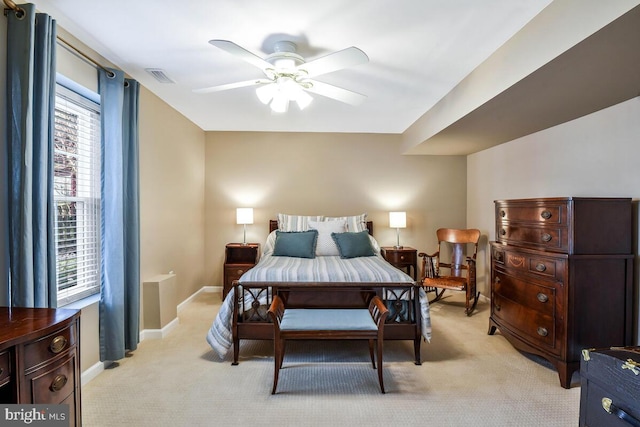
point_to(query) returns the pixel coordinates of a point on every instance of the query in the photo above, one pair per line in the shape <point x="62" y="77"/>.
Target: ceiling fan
<point x="289" y="77"/>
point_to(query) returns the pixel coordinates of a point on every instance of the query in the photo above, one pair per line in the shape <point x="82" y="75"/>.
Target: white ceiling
<point x="418" y="50"/>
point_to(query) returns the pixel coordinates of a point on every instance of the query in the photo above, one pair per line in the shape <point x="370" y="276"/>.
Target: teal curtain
<point x="120" y="288"/>
<point x="31" y="42"/>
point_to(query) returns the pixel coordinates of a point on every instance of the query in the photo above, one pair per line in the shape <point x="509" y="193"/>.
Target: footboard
<point x="252" y="301"/>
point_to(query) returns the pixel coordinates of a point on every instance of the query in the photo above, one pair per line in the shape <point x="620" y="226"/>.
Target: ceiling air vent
<point x="159" y="75"/>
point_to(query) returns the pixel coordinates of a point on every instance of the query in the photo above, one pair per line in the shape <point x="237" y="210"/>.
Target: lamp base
<point x="397" y="247"/>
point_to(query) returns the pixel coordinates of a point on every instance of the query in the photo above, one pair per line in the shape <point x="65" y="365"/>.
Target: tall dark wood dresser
<point x="40" y="358"/>
<point x="562" y="277"/>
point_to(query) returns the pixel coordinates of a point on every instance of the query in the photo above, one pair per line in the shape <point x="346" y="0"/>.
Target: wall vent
<point x="159" y="75"/>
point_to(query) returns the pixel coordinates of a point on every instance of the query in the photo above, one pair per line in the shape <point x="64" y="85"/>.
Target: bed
<point x="324" y="279"/>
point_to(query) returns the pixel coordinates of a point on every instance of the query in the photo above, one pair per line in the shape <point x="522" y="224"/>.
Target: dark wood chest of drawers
<point x="561" y="277"/>
<point x="40" y="358"/>
<point x="610" y="387"/>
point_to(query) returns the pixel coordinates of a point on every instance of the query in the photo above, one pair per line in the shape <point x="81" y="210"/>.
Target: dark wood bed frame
<point x="251" y="321"/>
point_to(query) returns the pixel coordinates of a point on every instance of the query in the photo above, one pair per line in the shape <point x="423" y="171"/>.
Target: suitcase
<point x="610" y="387"/>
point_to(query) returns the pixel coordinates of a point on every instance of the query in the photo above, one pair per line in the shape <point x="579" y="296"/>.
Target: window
<point x="76" y="195"/>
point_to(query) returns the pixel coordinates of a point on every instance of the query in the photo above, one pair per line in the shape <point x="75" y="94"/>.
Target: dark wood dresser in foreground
<point x="562" y="277"/>
<point x="610" y="387"/>
<point x="40" y="358"/>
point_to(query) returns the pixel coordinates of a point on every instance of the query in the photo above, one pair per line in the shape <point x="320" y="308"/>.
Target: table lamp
<point x="244" y="216"/>
<point x="398" y="220"/>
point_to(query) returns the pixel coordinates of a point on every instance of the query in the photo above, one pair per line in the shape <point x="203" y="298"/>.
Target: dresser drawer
<point x="401" y="258"/>
<point x="531" y="295"/>
<point x="54" y="383"/>
<point x="48" y="347"/>
<point x="531" y="325"/>
<point x="533" y="212"/>
<point x="234" y="271"/>
<point x="544" y="238"/>
<point x="538" y="264"/>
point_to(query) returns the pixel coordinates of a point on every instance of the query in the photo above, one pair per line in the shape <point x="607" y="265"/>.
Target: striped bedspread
<point x="329" y="269"/>
<point x="372" y="269"/>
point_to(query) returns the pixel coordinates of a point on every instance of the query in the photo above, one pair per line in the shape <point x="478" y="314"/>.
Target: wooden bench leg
<point x="278" y="358"/>
<point x="371" y="353"/>
<point x="380" y="379"/>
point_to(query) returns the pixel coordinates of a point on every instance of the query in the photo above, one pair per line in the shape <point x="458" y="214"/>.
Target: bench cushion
<point x="340" y="319"/>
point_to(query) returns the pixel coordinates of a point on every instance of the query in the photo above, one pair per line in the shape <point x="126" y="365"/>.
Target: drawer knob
<point x="541" y="267"/>
<point x="542" y="297"/>
<point x="545" y="214"/>
<point x="58" y="344"/>
<point x="542" y="331"/>
<point x="503" y="232"/>
<point x="546" y="237"/>
<point x="401" y="257"/>
<point x="503" y="214"/>
<point x="498" y="307"/>
<point x="240" y="271"/>
<point x="58" y="383"/>
<point x="496" y="280"/>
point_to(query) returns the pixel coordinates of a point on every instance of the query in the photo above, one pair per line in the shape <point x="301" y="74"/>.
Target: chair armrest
<point x="276" y="310"/>
<point x="378" y="310"/>
<point x="424" y="255"/>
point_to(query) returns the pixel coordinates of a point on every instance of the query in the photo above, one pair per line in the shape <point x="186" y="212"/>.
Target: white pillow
<point x="355" y="223"/>
<point x="325" y="245"/>
<point x="288" y="222"/>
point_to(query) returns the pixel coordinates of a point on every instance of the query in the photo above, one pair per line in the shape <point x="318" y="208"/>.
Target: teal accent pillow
<point x="298" y="244"/>
<point x="353" y="245"/>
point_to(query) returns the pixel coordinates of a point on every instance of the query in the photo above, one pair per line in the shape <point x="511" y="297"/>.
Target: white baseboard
<point x="202" y="289"/>
<point x="158" y="334"/>
<point x="91" y="373"/>
<point x="97" y="368"/>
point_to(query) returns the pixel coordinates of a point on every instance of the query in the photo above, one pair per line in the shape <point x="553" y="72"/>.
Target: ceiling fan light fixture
<point x="289" y="76"/>
<point x="280" y="103"/>
<point x="303" y="100"/>
<point x="265" y="93"/>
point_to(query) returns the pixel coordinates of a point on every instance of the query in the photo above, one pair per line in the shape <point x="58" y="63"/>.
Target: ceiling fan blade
<point x="344" y="58"/>
<point x="337" y="93"/>
<point x="231" y="86"/>
<point x="241" y="53"/>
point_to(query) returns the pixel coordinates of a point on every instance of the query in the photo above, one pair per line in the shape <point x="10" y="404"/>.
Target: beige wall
<point x="325" y="174"/>
<point x="596" y="155"/>
<point x="171" y="195"/>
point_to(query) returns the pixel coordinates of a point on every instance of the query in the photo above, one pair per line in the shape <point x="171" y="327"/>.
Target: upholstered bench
<point x="327" y="324"/>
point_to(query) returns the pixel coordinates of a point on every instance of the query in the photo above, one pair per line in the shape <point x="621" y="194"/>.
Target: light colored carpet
<point x="467" y="378"/>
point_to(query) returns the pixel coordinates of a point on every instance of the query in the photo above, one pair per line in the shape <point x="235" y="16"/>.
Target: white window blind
<point x="77" y="195"/>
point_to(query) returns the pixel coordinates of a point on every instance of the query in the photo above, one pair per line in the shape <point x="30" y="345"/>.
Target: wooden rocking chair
<point x="458" y="273"/>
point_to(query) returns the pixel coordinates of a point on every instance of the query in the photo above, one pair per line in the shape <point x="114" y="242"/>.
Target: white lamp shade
<point x="244" y="215"/>
<point x="397" y="219"/>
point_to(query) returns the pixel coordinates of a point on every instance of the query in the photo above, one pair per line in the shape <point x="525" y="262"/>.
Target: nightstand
<point x="404" y="258"/>
<point x="238" y="259"/>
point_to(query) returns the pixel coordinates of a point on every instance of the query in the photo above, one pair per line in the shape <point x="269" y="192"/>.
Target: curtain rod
<point x="11" y="5"/>
<point x="83" y="56"/>
<point x="19" y="11"/>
